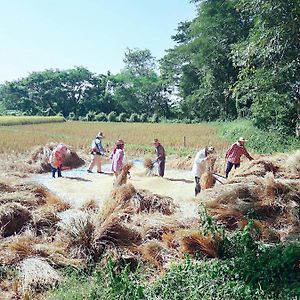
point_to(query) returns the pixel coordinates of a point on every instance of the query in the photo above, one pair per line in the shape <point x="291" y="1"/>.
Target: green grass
<point x="259" y="141"/>
<point x="248" y="270"/>
<point x="23" y="120"/>
<point x="193" y="280"/>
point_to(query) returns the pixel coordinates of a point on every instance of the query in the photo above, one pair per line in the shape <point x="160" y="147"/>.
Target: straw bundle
<point x="293" y="163"/>
<point x="258" y="167"/>
<point x="149" y="166"/>
<point x="114" y="231"/>
<point x="5" y="188"/>
<point x="37" y="274"/>
<point x="230" y="218"/>
<point x="122" y="177"/>
<point x="151" y="203"/>
<point x="194" y="243"/>
<point x="152" y="252"/>
<point x="13" y="217"/>
<point x="56" y="203"/>
<point x="79" y="234"/>
<point x="90" y="205"/>
<point x="44" y="218"/>
<point x="207" y="180"/>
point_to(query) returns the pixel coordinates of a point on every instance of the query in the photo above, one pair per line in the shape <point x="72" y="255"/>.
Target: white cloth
<point x="199" y="165"/>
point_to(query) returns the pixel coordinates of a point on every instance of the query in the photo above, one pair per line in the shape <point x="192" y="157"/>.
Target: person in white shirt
<point x="199" y="166"/>
<point x="97" y="151"/>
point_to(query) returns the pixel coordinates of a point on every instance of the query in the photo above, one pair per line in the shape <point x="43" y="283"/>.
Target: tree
<point x="202" y="62"/>
<point x="139" y="62"/>
<point x="138" y="88"/>
<point x="270" y="64"/>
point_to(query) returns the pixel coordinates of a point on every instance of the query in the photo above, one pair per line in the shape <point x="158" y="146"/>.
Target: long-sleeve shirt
<point x="199" y="163"/>
<point x="117" y="160"/>
<point x="97" y="147"/>
<point x="235" y="152"/>
<point x="160" y="152"/>
<point x="56" y="158"/>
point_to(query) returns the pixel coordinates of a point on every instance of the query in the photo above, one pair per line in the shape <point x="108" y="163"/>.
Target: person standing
<point x="234" y="153"/>
<point x="56" y="159"/>
<point x="97" y="151"/>
<point x="160" y="157"/>
<point x="117" y="157"/>
<point x="199" y="166"/>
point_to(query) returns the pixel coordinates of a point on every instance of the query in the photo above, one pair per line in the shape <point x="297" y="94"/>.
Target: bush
<point x="101" y="117"/>
<point x="71" y="116"/>
<point x="91" y="116"/>
<point x="122" y="117"/>
<point x="143" y="118"/>
<point x="260" y="141"/>
<point x="155" y="118"/>
<point x="134" y="118"/>
<point x="112" y="116"/>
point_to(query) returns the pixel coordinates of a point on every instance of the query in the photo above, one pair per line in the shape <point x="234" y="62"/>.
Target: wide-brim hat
<point x="241" y="139"/>
<point x="119" y="142"/>
<point x="210" y="149"/>
<point x="100" y="135"/>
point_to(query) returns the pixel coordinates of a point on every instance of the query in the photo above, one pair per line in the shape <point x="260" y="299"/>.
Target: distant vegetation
<point x="138" y="137"/>
<point x="259" y="140"/>
<point x="23" y="120"/>
<point x="235" y="59"/>
<point x="179" y="139"/>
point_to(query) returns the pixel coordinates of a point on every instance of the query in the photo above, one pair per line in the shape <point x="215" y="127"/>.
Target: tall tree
<point x="270" y="64"/>
<point x="204" y="69"/>
<point x="138" y="88"/>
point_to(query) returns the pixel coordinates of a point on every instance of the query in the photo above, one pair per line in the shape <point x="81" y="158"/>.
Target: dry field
<point x="138" y="137"/>
<point x="22" y="120"/>
<point x="39" y="230"/>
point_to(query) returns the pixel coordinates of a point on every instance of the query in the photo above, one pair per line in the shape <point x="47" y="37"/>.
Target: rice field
<point x="22" y="120"/>
<point x="180" y="139"/>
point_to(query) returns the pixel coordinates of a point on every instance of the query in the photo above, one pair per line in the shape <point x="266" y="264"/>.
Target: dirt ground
<point x="77" y="186"/>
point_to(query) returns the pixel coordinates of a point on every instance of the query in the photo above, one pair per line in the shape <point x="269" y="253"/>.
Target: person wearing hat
<point x="56" y="159"/>
<point x="199" y="166"/>
<point x="160" y="157"/>
<point x="117" y="157"/>
<point x="97" y="151"/>
<point x="234" y="153"/>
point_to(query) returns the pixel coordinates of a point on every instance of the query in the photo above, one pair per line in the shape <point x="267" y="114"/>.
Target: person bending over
<point x="234" y="153"/>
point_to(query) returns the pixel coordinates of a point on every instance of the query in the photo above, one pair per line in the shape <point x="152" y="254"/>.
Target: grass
<point x="270" y="273"/>
<point x="178" y="139"/>
<point x="259" y="141"/>
<point x="23" y="120"/>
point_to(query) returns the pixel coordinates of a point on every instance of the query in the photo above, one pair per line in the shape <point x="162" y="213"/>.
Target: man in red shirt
<point x="234" y="153"/>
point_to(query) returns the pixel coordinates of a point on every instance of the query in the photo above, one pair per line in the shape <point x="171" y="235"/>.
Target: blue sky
<point x="40" y="34"/>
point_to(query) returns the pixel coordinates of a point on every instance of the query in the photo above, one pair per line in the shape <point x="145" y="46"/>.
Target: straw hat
<point x="100" y="134"/>
<point x="210" y="149"/>
<point x="119" y="142"/>
<point x="241" y="139"/>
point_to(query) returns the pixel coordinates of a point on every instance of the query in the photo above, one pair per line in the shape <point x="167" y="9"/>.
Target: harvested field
<point x="146" y="218"/>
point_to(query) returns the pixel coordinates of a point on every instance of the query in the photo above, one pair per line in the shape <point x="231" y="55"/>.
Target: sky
<point x="41" y="34"/>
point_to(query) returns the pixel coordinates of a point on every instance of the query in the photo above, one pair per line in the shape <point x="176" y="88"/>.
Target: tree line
<point x="78" y="93"/>
<point x="235" y="59"/>
<point x="239" y="58"/>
